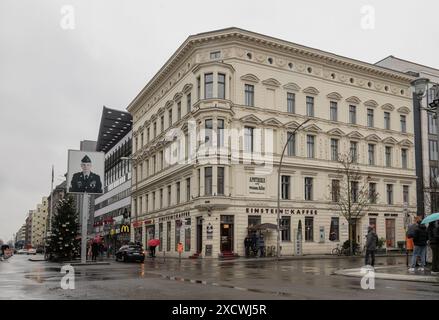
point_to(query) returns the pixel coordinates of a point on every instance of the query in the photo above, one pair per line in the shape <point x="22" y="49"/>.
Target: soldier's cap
<point x="86" y="159"/>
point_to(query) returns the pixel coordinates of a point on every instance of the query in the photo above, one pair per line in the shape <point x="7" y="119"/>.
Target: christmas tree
<point x="63" y="243"/>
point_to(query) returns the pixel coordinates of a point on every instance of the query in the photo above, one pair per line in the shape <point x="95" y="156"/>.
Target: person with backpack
<point x="420" y="237"/>
<point x="371" y="246"/>
<point x="433" y="238"/>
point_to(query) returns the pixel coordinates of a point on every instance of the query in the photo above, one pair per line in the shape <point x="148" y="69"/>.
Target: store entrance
<point x="226" y="234"/>
<point x="199" y="234"/>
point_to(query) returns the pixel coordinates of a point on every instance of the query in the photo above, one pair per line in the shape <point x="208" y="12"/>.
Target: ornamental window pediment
<point x="336" y="132"/>
<point x="251" y="119"/>
<point x="161" y="110"/>
<point x="271" y="82"/>
<point x="313" y="128"/>
<point x="334" y="96"/>
<point x="272" y="122"/>
<point x="250" y="78"/>
<point x="388" y="107"/>
<point x="178" y="96"/>
<point x="355" y="135"/>
<point x="169" y="104"/>
<point x="187" y="88"/>
<point x="292" y="125"/>
<point x="291" y="86"/>
<point x="405" y="143"/>
<point x="390" y="140"/>
<point x="354" y="100"/>
<point x="371" y="103"/>
<point x="373" y="137"/>
<point x="311" y="90"/>
<point x="403" y="110"/>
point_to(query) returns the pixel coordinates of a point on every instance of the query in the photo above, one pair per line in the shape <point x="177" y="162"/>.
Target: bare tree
<point x="352" y="195"/>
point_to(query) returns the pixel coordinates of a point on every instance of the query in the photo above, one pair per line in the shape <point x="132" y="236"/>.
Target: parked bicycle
<point x="340" y="251"/>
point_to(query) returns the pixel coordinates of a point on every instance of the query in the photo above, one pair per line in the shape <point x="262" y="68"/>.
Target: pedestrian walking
<point x="261" y="245"/>
<point x="433" y="239"/>
<point x="371" y="246"/>
<point x="254" y="244"/>
<point x="94" y="250"/>
<point x="247" y="245"/>
<point x="420" y="237"/>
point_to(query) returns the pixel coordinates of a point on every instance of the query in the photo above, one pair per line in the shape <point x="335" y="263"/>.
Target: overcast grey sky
<point x="54" y="82"/>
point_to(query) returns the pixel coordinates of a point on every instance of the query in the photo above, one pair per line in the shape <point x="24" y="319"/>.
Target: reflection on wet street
<point x="205" y="279"/>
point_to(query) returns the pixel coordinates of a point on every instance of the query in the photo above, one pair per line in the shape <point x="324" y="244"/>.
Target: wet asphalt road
<point x="203" y="279"/>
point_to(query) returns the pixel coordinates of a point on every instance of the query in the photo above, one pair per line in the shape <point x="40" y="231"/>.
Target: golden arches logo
<point x="125" y="229"/>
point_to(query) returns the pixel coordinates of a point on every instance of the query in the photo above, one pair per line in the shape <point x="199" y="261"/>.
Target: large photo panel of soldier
<point x="85" y="172"/>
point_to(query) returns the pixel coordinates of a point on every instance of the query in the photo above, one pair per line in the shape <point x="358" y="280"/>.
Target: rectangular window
<point x="405" y="194"/>
<point x="220" y="182"/>
<point x="432" y="144"/>
<point x="161" y="199"/>
<point x="370" y="118"/>
<point x="285" y="187"/>
<point x="291" y="102"/>
<point x="334" y="230"/>
<point x="335" y="190"/>
<point x="353" y="151"/>
<point x="404" y="158"/>
<point x="387" y="120"/>
<point x="285" y="224"/>
<point x="249" y="95"/>
<point x="199" y="182"/>
<point x="248" y="139"/>
<point x="178" y="110"/>
<point x="221" y="86"/>
<point x="373" y="223"/>
<point x="310" y="106"/>
<point x="208" y="181"/>
<point x="354" y="191"/>
<point x="208" y="86"/>
<point x="371" y="151"/>
<point x="188" y="103"/>
<point x="291" y="144"/>
<point x="389" y="193"/>
<point x="432" y="123"/>
<point x="178" y="192"/>
<point x="198" y="88"/>
<point x="161" y="236"/>
<point x="141" y="140"/>
<point x="310" y="146"/>
<point x="177" y="233"/>
<point x="153" y="201"/>
<point x="334" y="149"/>
<point x="333" y="111"/>
<point x="148" y="135"/>
<point x="169" y="196"/>
<point x="434" y="174"/>
<point x="147" y="168"/>
<point x="254" y="221"/>
<point x="309" y="228"/>
<point x="308" y="189"/>
<point x="188" y="189"/>
<point x="220" y="133"/>
<point x="372" y="193"/>
<point x="208" y="127"/>
<point x="352" y="114"/>
<point x="215" y="55"/>
<point x="155" y="129"/>
<point x="388" y="156"/>
<point x="170" y="117"/>
<point x="187" y="235"/>
<point x="168" y="236"/>
<point x="403" y="123"/>
<point x="154" y="164"/>
<point x="162" y="123"/>
<point x="162" y="161"/>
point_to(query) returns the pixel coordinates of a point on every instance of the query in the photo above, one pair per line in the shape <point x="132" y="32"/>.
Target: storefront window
<point x="309" y="228"/>
<point x="160" y="236"/>
<point x="285" y="223"/>
<point x="334" y="230"/>
<point x="187" y="235"/>
<point x="177" y="233"/>
<point x="254" y="221"/>
<point x="168" y="236"/>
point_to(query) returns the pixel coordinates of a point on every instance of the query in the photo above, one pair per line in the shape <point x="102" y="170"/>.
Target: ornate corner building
<point x="210" y="126"/>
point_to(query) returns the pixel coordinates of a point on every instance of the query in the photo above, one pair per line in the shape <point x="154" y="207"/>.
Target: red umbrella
<point x="153" y="242"/>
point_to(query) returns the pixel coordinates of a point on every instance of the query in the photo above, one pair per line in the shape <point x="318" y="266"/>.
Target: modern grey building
<point x="426" y="134"/>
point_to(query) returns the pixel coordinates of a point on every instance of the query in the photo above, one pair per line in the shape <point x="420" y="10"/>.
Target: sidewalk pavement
<point x="398" y="273"/>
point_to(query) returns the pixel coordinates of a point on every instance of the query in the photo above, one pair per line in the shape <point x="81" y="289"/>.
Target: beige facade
<point x="39" y="219"/>
<point x="258" y="89"/>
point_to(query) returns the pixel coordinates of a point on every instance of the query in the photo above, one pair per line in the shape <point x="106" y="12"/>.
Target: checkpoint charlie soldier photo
<point x="88" y="180"/>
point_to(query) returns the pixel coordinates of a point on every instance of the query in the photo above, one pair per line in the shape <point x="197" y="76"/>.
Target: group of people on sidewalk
<point x="254" y="243"/>
<point x="421" y="236"/>
<point x="96" y="250"/>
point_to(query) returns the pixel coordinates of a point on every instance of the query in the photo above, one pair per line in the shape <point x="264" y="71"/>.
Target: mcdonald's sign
<point x="125" y="228"/>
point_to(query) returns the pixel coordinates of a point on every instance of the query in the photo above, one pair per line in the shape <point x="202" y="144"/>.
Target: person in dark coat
<point x="420" y="237"/>
<point x="254" y="243"/>
<point x="94" y="251"/>
<point x="86" y="181"/>
<point x="247" y="245"/>
<point x="433" y="238"/>
<point x="371" y="246"/>
<point x="261" y="245"/>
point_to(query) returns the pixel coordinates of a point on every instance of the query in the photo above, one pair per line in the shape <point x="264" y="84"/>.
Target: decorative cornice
<point x="388" y="107"/>
<point x="312" y="128"/>
<point x="355" y="135"/>
<point x="250" y="78"/>
<point x="405" y="143"/>
<point x="336" y="132"/>
<point x="272" y="122"/>
<point x="373" y="137"/>
<point x="291" y="86"/>
<point x="403" y="110"/>
<point x="251" y="119"/>
<point x="334" y="96"/>
<point x="271" y="82"/>
<point x="311" y="90"/>
<point x="292" y="125"/>
<point x="211" y="64"/>
<point x="354" y="100"/>
<point x="371" y="103"/>
<point x="390" y="140"/>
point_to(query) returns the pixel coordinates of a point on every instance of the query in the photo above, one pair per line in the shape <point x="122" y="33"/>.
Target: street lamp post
<point x="279" y="186"/>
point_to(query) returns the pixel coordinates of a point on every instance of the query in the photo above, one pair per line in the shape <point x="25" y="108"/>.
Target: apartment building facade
<point x="209" y="128"/>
